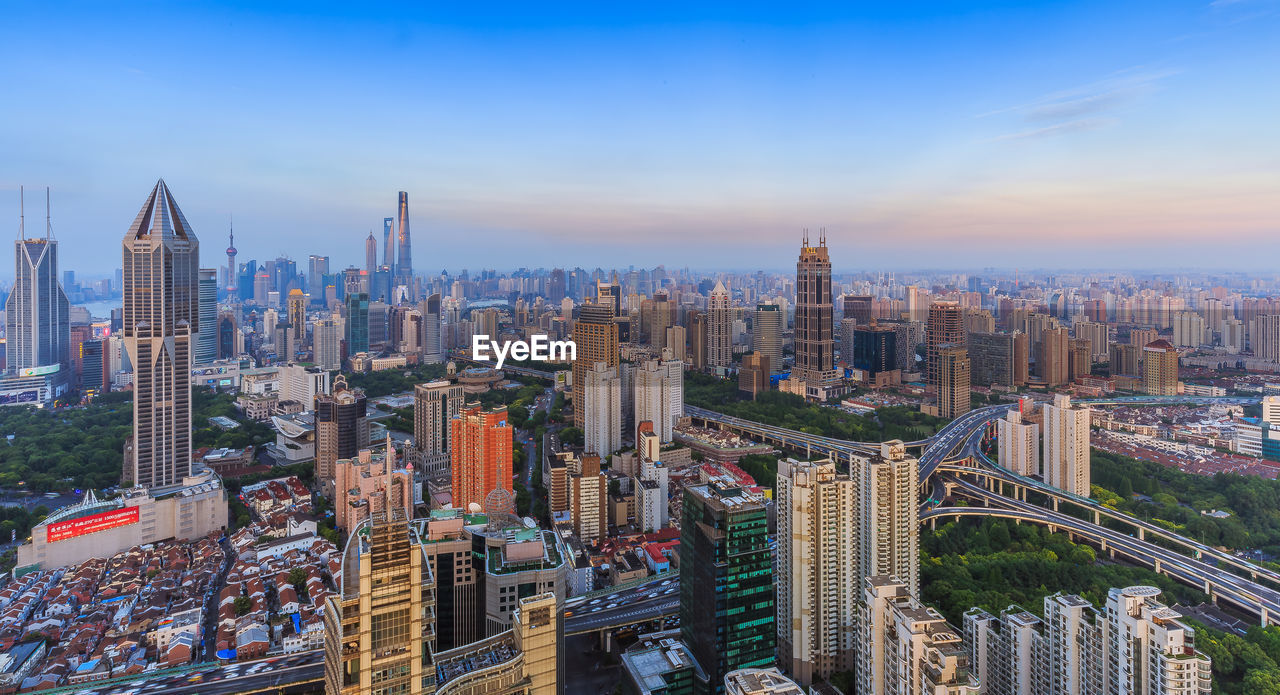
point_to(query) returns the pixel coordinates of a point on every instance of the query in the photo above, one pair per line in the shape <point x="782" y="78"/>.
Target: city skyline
<point x="725" y="131"/>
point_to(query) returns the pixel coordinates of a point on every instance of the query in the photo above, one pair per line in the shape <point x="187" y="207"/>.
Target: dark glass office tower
<point x="726" y="581"/>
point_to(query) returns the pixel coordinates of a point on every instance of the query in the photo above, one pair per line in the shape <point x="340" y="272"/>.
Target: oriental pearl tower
<point x="231" y="260"/>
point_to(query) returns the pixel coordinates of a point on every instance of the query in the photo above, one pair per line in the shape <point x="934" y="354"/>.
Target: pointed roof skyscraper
<point x="161" y="216"/>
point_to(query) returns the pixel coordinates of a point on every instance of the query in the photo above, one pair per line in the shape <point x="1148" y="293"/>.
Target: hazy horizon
<point x="1138" y="136"/>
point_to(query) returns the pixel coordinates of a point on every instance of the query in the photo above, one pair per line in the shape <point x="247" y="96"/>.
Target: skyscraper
<point x="945" y="327"/>
<point x="888" y="512"/>
<point x="659" y="396"/>
<point x="766" y="334"/>
<point x="1160" y="368"/>
<point x="326" y="338"/>
<point x="207" y="338"/>
<point x="435" y="404"/>
<point x="726" y="581"/>
<point x="317" y="269"/>
<point x="342" y="428"/>
<point x="858" y="308"/>
<point x="991" y="357"/>
<point x="380" y="627"/>
<point x="370" y="253"/>
<point x="596" y="336"/>
<point x="953" y="381"/>
<point x="1019" y="444"/>
<point x="388" y="243"/>
<point x="719" y="328"/>
<point x="297" y="308"/>
<point x="37" y="317"/>
<point x="875" y="349"/>
<point x="161" y="312"/>
<point x="907" y="648"/>
<point x="357" y="323"/>
<point x="1147" y="649"/>
<point x="1052" y="358"/>
<point x="1066" y="445"/>
<point x="817" y="569"/>
<point x="814" y="329"/>
<point x="404" y="264"/>
<point x="602" y="398"/>
<point x="480" y="450"/>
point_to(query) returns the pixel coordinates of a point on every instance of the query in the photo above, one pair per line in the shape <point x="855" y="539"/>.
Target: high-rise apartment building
<point x="1079" y="358"/>
<point x="888" y="485"/>
<point x="1052" y="357"/>
<point x="1066" y="445"/>
<point x="1160" y="368"/>
<point x="659" y="395"/>
<point x="766" y="334"/>
<point x="1140" y="337"/>
<point x="595" y="336"/>
<point x="726" y="581"/>
<point x="991" y="358"/>
<point x="953" y="381"/>
<point x="326" y="338"/>
<point x="907" y="648"/>
<point x="602" y="406"/>
<point x="480" y="450"/>
<point x="161" y="312"/>
<point x="1098" y="336"/>
<point x="1021" y="359"/>
<point x="945" y="327"/>
<point x="1264" y="337"/>
<point x="814" y="327"/>
<point x="719" y="343"/>
<point x="1019" y="444"/>
<point x="817" y="569"/>
<point x="435" y="404"/>
<point x="342" y="428"/>
<point x="588" y="490"/>
<point x="1148" y="650"/>
<point x="1136" y="646"/>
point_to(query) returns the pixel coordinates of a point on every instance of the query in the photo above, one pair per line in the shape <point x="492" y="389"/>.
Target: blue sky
<point x="1025" y="134"/>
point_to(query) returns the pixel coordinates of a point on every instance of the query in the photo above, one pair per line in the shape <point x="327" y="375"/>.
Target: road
<point x="641" y="603"/>
<point x="295" y="673"/>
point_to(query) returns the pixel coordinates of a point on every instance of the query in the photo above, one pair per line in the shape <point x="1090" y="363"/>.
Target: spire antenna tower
<point x="22" y="213"/>
<point x="48" y="216"/>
